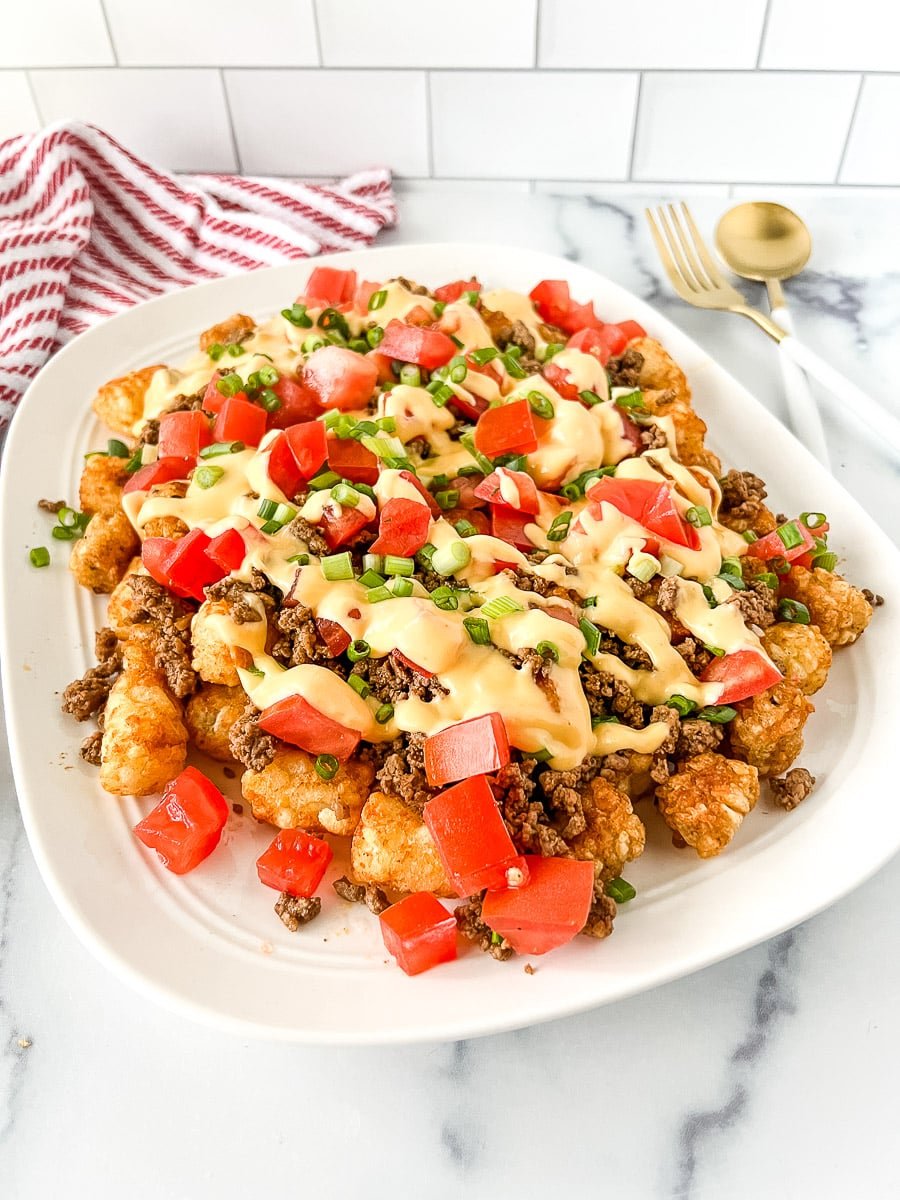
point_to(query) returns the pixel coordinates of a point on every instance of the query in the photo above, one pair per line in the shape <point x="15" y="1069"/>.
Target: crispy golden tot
<point x="120" y="611"/>
<point x="144" y="738"/>
<point x="209" y="716"/>
<point x="660" y="372"/>
<point x="102" y="480"/>
<point x="289" y="793"/>
<point x="768" y="730"/>
<point x="120" y="403"/>
<point x="234" y="329"/>
<point x="706" y="800"/>
<point x="839" y="609"/>
<point x="212" y="659"/>
<point x="800" y="653"/>
<point x="101" y="557"/>
<point x="667" y="394"/>
<point x="393" y="848"/>
<point x="614" y="834"/>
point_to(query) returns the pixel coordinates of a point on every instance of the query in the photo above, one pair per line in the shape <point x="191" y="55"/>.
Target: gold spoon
<point x="768" y="243"/>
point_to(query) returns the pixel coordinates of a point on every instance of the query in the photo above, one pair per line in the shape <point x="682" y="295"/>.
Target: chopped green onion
<point x="591" y="635"/>
<point x="360" y="345"/>
<point x="445" y="598"/>
<point x="117" y="449"/>
<point x="749" y="536"/>
<point x="296" y="314"/>
<point x="230" y="385"/>
<point x="620" y="890"/>
<point x="470" y="298"/>
<point x="371" y="579"/>
<point x="373" y="562"/>
<point x="62" y="534"/>
<point x="698" y="516"/>
<point x="643" y="566"/>
<point x="235" y="350"/>
<point x="365" y="490"/>
<point x="399" y="464"/>
<point x="330" y="319"/>
<point x="572" y="491"/>
<point x="719" y="714"/>
<point x="451" y="558"/>
<point x="813" y="520"/>
<point x="424" y="556"/>
<point x="337" y="567"/>
<point x="511" y="362"/>
<point x="377" y="594"/>
<point x="215" y="351"/>
<point x="410" y="375"/>
<point x="219" y="448"/>
<point x="136" y="461"/>
<point x="485" y="355"/>
<point x="780" y="565"/>
<point x="401" y="587"/>
<point x="458" y="369"/>
<point x="39" y="556"/>
<point x="208" y="476"/>
<point x="440" y="392"/>
<point x="465" y="528"/>
<point x="552" y="349"/>
<point x="68" y="517"/>
<point x="826" y="561"/>
<point x="710" y="596"/>
<point x="501" y="606"/>
<point x="467" y="441"/>
<point x="681" y="704"/>
<point x="314" y="342"/>
<point x="548" y="650"/>
<point x="478" y="630"/>
<point x="471" y="469"/>
<point x="384" y="714"/>
<point x="386" y="424"/>
<point x="715" y="650"/>
<point x="439" y="307"/>
<point x="301" y="559"/>
<point x="768" y="578"/>
<point x="344" y="427"/>
<point x="345" y="495"/>
<point x="327" y="766"/>
<point x="541" y="405"/>
<point x="374" y="336"/>
<point x="321" y="483"/>
<point x="793" y="610"/>
<point x="359" y="685"/>
<point x="254" y="670"/>
<point x="268" y="400"/>
<point x="589" y="602"/>
<point x="275" y="515"/>
<point x="377" y="300"/>
<point x="543" y="755"/>
<point x="589" y="398"/>
<point x="731" y="566"/>
<point x="789" y="535"/>
<point x="632" y="401"/>
<point x="358" y="650"/>
<point x="267" y="509"/>
<point x="394" y="565"/>
<point x="610" y="720"/>
<point x="559" y="529"/>
<point x="447" y="499"/>
<point x="264" y="377"/>
<point x="515" y="462"/>
<point x="383" y="446"/>
<point x="460" y="345"/>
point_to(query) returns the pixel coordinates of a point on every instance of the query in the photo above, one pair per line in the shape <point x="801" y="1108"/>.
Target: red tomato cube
<point x="560" y="380"/>
<point x="520" y="490"/>
<point x="475" y="747"/>
<point x="164" y="470"/>
<point x="471" y="839"/>
<point x="239" y="420"/>
<point x="508" y="524"/>
<point x="548" y="910"/>
<point x="294" y="863"/>
<point x="419" y="932"/>
<point x="428" y="348"/>
<point x="509" y="429"/>
<point x="402" y="529"/>
<point x="452" y="291"/>
<point x="335" y="637"/>
<point x="296" y="455"/>
<point x="295" y="720"/>
<point x="351" y="460"/>
<point x="340" y="378"/>
<point x="341" y="525"/>
<point x="331" y="286"/>
<point x="744" y="674"/>
<point x="227" y="550"/>
<point x="298" y="404"/>
<point x="189" y="567"/>
<point x="773" y="545"/>
<point x="186" y="825"/>
<point x="183" y="434"/>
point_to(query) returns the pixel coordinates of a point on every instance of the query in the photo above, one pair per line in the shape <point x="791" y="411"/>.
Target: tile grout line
<point x="859" y="92"/>
<point x="317" y="31"/>
<point x="634" y="127"/>
<point x="762" y="34"/>
<point x="231" y="129"/>
<point x="538" y="16"/>
<point x="34" y="97"/>
<point x="429" y="124"/>
<point x="112" y="44"/>
<point x="748" y="72"/>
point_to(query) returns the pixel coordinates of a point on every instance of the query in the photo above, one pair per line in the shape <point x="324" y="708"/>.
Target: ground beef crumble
<point x="51" y="506"/>
<point x="369" y="894"/>
<point x="758" y="604"/>
<point x="608" y="696"/>
<point x="793" y="788"/>
<point x="403" y="772"/>
<point x="86" y="696"/>
<point x="234" y="592"/>
<point x="697" y="737"/>
<point x="471" y="925"/>
<point x="653" y="437"/>
<point x="171" y="621"/>
<point x="601" y="916"/>
<point x="295" y="911"/>
<point x="873" y="598"/>
<point x="541" y="586"/>
<point x="696" y="658"/>
<point x="91" y="747"/>
<point x="625" y="371"/>
<point x="526" y="818"/>
<point x="249" y="745"/>
<point x="392" y="679"/>
<point x="564" y="792"/>
<point x="300" y="641"/>
<point x="315" y="542"/>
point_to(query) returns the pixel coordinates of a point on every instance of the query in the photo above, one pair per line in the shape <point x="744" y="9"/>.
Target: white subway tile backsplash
<point x="688" y="33"/>
<point x="873" y="151"/>
<point x="743" y="127"/>
<point x="215" y="33"/>
<point x="329" y="122"/>
<point x="547" y="128"/>
<point x="427" y="33"/>
<point x="47" y="33"/>
<point x="418" y="187"/>
<point x="603" y="191"/>
<point x="17" y="111"/>
<point x="176" y="118"/>
<point x="811" y="35"/>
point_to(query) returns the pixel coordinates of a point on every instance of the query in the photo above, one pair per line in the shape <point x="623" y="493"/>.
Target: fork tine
<point x="684" y="290"/>
<point x="675" y="247"/>
<point x="712" y="267"/>
<point x="688" y="248"/>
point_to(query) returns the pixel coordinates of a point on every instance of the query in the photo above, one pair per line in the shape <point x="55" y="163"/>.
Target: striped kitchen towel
<point x="87" y="228"/>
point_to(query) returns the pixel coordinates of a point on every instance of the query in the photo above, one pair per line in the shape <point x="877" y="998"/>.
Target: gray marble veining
<point x="769" y="1074"/>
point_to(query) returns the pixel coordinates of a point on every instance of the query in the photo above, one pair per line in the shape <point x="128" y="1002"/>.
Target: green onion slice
<point x="410" y="375"/>
<point x="620" y="890"/>
<point x="345" y="495"/>
<point x="337" y="567"/>
<point x="478" y="630"/>
<point x="384" y="714"/>
<point x="230" y="385"/>
<point x="485" y="355"/>
<point x="327" y="766"/>
<point x="465" y="528"/>
<point x="402" y="588"/>
<point x="377" y="594"/>
<point x="394" y="565"/>
<point x="377" y="300"/>
<point x="541" y="405"/>
<point x="789" y="535"/>
<point x="217" y="449"/>
<point x="793" y="610"/>
<point x="501" y="606"/>
<point x="208" y="476"/>
<point x="321" y="483"/>
<point x="698" y="516"/>
<point x="813" y="520"/>
<point x="559" y="529"/>
<point x="591" y="635"/>
<point x="451" y="558"/>
<point x="445" y="598"/>
<point x="447" y="499"/>
<point x="371" y="579"/>
<point x="719" y="714"/>
<point x="359" y="685"/>
<point x="548" y="650"/>
<point x="458" y="369"/>
<point x="39" y="556"/>
<point x="358" y="650"/>
<point x="296" y="314"/>
<point x="117" y="449"/>
<point x="682" y="705"/>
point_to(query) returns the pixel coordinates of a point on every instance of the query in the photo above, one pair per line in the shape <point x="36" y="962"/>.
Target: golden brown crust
<point x="614" y="834"/>
<point x="233" y="329"/>
<point x="122" y="604"/>
<point x="209" y="716"/>
<point x="800" y="653"/>
<point x="839" y="609"/>
<point x="102" y="480"/>
<point x="706" y="800"/>
<point x="212" y="659"/>
<point x="101" y="557"/>
<point x="393" y="848"/>
<point x="289" y="793"/>
<point x="120" y="403"/>
<point x="768" y="730"/>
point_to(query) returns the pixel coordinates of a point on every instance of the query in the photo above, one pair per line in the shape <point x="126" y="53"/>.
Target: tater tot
<point x="839" y="609"/>
<point x="614" y="834"/>
<point x="209" y="715"/>
<point x="768" y="730"/>
<point x="212" y="659"/>
<point x="120" y="403"/>
<point x="393" y="848"/>
<point x="290" y="794"/>
<point x="706" y="800"/>
<point x="102" y="480"/>
<point x="800" y="653"/>
<point x="101" y="557"/>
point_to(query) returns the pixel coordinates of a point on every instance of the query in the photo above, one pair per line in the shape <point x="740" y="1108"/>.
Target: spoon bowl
<point x="763" y="241"/>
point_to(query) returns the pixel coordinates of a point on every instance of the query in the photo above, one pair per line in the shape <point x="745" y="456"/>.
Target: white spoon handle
<point x="854" y="402"/>
<point x="805" y="418"/>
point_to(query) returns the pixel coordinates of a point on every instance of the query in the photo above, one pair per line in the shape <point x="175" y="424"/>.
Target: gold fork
<point x="693" y="271"/>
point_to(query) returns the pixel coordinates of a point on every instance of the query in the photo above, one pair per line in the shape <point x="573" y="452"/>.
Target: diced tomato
<point x="428" y="348"/>
<point x="548" y="910"/>
<point x="340" y="378"/>
<point x="470" y="406"/>
<point x="155" y="555"/>
<point x="509" y="429"/>
<point x="467" y="486"/>
<point x="771" y="546"/>
<point x="523" y="485"/>
<point x="331" y="286"/>
<point x="402" y="529"/>
<point x="419" y="316"/>
<point x="364" y="293"/>
<point x="488" y="368"/>
<point x="475" y="747"/>
<point x="382" y="365"/>
<point x="449" y="292"/>
<point x="340" y="525"/>
<point x="509" y="524"/>
<point x="294" y="863"/>
<point x="602" y="341"/>
<point x="744" y="674"/>
<point x="413" y="666"/>
<point x="419" y="932"/>
<point x="227" y="550"/>
<point x="183" y="434"/>
<point x="471" y="839"/>
<point x="164" y="470"/>
<point x="631" y="330"/>
<point x="561" y="614"/>
<point x="423" y="491"/>
<point x="335" y="637"/>
<point x="648" y="503"/>
<point x="296" y="455"/>
<point x="298" y="404"/>
<point x="189" y="568"/>
<point x="213" y="399"/>
<point x="240" y="421"/>
<point x="560" y="380"/>
<point x="473" y="515"/>
<point x="552" y="300"/>
<point x="186" y="825"/>
<point x="294" y="720"/>
<point x="631" y="432"/>
<point x="351" y="460"/>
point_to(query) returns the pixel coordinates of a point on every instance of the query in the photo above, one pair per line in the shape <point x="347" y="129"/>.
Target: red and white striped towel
<point x="88" y="228"/>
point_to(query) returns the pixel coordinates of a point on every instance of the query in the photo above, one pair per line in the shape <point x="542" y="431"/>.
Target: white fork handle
<point x="803" y="411"/>
<point x="853" y="401"/>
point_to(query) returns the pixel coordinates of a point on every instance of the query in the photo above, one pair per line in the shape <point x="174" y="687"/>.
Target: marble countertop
<point x="772" y="1073"/>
